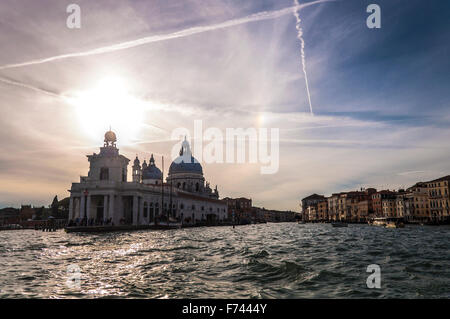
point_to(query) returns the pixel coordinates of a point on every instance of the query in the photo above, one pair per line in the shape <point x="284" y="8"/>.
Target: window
<point x="104" y="173"/>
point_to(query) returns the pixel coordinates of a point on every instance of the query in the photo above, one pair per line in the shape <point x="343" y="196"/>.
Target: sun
<point x="109" y="104"/>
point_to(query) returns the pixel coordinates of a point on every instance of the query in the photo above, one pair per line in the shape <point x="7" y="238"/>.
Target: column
<point x="88" y="207"/>
<point x="141" y="211"/>
<point x="111" y="206"/>
<point x="82" y="206"/>
<point x="105" y="207"/>
<point x="135" y="210"/>
<point x="71" y="208"/>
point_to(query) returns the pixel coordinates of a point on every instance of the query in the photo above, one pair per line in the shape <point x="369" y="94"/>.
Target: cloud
<point x="261" y="16"/>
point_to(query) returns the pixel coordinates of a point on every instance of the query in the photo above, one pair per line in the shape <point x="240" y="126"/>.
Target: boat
<point x="339" y="224"/>
<point x="388" y="222"/>
<point x="395" y="222"/>
<point x="379" y="221"/>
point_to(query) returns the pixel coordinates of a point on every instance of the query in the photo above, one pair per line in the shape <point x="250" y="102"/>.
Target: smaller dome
<point x="136" y="161"/>
<point x="110" y="136"/>
<point x="151" y="172"/>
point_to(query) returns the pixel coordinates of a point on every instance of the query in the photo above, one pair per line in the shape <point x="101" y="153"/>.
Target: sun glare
<point x="109" y="104"/>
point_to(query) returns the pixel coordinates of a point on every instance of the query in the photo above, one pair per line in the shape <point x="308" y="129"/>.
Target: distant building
<point x="322" y="211"/>
<point x="308" y="201"/>
<point x="26" y="213"/>
<point x="9" y="215"/>
<point x="377" y="201"/>
<point x="240" y="209"/>
<point x="439" y="198"/>
<point x="273" y="216"/>
<point x="419" y="207"/>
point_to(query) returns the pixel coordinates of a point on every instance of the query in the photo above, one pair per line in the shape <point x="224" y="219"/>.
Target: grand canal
<point x="285" y="260"/>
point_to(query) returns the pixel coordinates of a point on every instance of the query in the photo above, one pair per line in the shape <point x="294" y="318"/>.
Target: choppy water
<point x="284" y="260"/>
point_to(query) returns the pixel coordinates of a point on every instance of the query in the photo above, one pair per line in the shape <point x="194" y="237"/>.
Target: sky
<point x="380" y="97"/>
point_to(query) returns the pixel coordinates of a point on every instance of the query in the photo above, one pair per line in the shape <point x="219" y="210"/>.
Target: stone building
<point x="105" y="195"/>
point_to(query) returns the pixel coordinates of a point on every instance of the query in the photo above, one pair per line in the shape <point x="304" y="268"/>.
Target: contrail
<point x="265" y="15"/>
<point x="30" y="87"/>
<point x="300" y="37"/>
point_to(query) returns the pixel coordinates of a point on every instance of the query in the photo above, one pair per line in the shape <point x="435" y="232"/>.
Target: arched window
<point x="197" y="187"/>
<point x="178" y="185"/>
<point x="184" y="185"/>
<point x="181" y="205"/>
<point x="145" y="209"/>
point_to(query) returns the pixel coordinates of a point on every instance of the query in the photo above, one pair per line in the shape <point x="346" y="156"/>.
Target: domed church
<point x="105" y="196"/>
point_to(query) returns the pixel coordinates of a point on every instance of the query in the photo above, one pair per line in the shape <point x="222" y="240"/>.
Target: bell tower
<point x="137" y="172"/>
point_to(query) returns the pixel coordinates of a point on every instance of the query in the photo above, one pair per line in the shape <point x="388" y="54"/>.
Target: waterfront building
<point x="105" y="195"/>
<point x="377" y="201"/>
<point x="389" y="208"/>
<point x="363" y="213"/>
<point x="403" y="205"/>
<point x="240" y="209"/>
<point x="308" y="201"/>
<point x="322" y="211"/>
<point x="342" y="212"/>
<point x="333" y="203"/>
<point x="273" y="216"/>
<point x="312" y="213"/>
<point x="439" y="198"/>
<point x="420" y="210"/>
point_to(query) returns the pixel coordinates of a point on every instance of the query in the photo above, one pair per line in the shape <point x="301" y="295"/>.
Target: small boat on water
<point x="388" y="222"/>
<point x="379" y="221"/>
<point x="339" y="224"/>
<point x="395" y="224"/>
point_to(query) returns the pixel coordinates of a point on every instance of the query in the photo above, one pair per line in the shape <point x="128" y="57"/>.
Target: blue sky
<point x="380" y="96"/>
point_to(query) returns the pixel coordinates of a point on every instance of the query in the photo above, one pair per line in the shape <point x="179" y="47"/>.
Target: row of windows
<point x="183" y="186"/>
<point x="438" y="184"/>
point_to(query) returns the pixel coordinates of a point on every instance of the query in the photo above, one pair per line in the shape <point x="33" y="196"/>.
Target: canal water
<point x="285" y="260"/>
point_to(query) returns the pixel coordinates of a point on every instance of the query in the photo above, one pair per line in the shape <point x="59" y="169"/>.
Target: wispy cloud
<point x="30" y="87"/>
<point x="261" y="16"/>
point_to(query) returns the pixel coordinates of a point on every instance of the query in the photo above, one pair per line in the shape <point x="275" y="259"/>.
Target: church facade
<point x="105" y="195"/>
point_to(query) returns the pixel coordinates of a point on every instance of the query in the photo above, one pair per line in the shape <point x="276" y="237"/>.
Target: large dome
<point x="179" y="166"/>
<point x="185" y="163"/>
